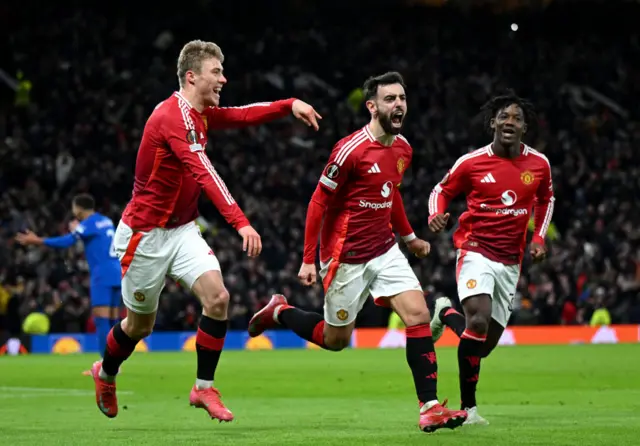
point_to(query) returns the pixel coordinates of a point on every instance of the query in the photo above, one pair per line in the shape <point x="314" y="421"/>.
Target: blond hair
<point x="193" y="54"/>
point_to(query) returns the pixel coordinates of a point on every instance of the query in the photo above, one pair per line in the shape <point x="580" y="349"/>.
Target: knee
<point x="336" y="342"/>
<point x="416" y="316"/>
<point x="478" y="323"/>
<point x="216" y="302"/>
<point x="136" y="329"/>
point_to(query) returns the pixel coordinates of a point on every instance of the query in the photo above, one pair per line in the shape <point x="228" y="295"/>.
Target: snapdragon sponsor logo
<point x="376" y="206"/>
<point x="506" y="211"/>
<point x="508" y="198"/>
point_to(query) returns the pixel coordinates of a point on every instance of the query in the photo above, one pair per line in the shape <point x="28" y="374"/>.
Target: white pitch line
<point x="42" y="395"/>
<point x="58" y="391"/>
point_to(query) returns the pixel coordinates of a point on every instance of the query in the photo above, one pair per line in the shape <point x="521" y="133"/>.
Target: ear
<point x="190" y="77"/>
<point x="492" y="123"/>
<point x="371" y="106"/>
<point x="524" y="129"/>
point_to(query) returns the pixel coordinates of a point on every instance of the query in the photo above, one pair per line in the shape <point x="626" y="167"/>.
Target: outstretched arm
<point x="219" y="118"/>
<point x="62" y="242"/>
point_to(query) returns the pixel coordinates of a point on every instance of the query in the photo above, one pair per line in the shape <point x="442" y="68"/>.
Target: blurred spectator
<point x="96" y="76"/>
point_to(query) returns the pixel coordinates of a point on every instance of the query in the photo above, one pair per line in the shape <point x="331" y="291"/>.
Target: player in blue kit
<point x="96" y="232"/>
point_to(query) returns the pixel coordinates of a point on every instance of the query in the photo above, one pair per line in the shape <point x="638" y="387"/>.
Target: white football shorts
<point x="476" y="274"/>
<point x="348" y="286"/>
<point x="147" y="258"/>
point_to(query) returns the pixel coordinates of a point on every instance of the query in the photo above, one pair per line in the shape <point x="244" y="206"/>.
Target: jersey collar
<point x="524" y="149"/>
<point x="179" y="96"/>
<point x="367" y="131"/>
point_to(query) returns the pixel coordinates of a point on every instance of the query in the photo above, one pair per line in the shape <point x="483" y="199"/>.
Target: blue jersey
<point x="96" y="232"/>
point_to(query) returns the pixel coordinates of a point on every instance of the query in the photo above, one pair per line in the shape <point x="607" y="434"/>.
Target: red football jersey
<point x="172" y="167"/>
<point x="501" y="195"/>
<point x="363" y="176"/>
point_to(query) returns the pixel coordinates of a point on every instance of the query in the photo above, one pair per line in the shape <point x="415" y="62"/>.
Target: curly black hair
<point x="492" y="107"/>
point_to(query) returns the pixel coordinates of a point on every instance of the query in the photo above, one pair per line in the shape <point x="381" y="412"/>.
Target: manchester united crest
<point x="401" y="165"/>
<point x="527" y="177"/>
<point x="139" y="296"/>
<point x="342" y="315"/>
<point x="471" y="284"/>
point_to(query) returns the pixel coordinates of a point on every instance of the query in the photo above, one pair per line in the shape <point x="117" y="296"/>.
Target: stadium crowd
<point x="96" y="76"/>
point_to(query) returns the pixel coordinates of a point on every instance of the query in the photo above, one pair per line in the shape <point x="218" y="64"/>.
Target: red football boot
<point x="105" y="392"/>
<point x="265" y="318"/>
<point x="438" y="416"/>
<point x="90" y="373"/>
<point x="209" y="400"/>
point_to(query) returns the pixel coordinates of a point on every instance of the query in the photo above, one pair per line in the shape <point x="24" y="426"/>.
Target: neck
<point x="510" y="151"/>
<point x="386" y="139"/>
<point x="194" y="99"/>
<point x="85" y="214"/>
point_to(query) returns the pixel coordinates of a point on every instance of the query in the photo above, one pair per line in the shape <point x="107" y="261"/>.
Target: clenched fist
<point x="537" y="251"/>
<point x="439" y="222"/>
<point x="307" y="274"/>
<point x="418" y="247"/>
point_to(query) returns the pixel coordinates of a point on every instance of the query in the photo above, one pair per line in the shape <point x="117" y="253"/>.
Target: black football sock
<point x="453" y="319"/>
<point x="469" y="351"/>
<point x="306" y="324"/>
<point x="209" y="342"/>
<point x="119" y="348"/>
<point x="421" y="357"/>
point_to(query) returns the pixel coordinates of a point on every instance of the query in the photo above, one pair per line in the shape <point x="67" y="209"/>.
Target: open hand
<point x="251" y="241"/>
<point x="306" y="113"/>
<point x="28" y="238"/>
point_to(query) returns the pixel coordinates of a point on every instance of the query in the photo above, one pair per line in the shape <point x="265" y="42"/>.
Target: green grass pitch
<point x="570" y="395"/>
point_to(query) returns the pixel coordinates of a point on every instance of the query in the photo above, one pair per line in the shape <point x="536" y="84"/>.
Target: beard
<point x="387" y="126"/>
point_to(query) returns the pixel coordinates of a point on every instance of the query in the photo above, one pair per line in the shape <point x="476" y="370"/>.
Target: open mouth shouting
<point x="396" y="118"/>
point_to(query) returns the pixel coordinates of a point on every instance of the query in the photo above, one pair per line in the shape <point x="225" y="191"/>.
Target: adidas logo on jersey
<point x="374" y="168"/>
<point x="488" y="179"/>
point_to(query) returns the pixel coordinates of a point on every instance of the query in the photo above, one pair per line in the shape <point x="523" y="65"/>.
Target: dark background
<point x="97" y="70"/>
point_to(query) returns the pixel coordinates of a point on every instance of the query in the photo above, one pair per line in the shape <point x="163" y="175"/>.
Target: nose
<point x="510" y="121"/>
<point x="222" y="79"/>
